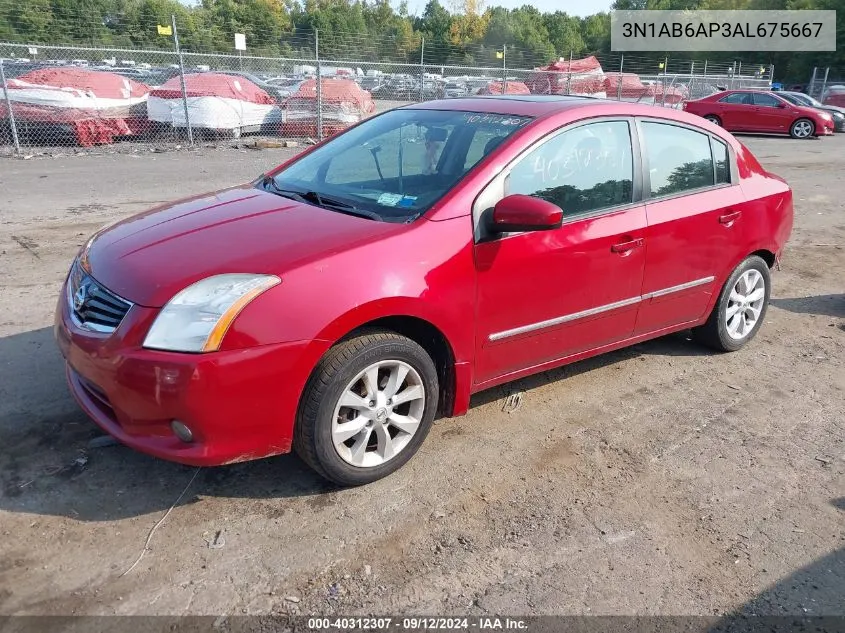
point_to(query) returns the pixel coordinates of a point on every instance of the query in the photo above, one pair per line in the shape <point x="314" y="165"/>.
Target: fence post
<point x="422" y="70"/>
<point x="182" y="80"/>
<point x="13" y="127"/>
<point x="739" y="73"/>
<point x="771" y="74"/>
<point x="504" y="69"/>
<point x="824" y="83"/>
<point x="619" y="83"/>
<point x="665" y="72"/>
<point x="569" y="78"/>
<point x="691" y="82"/>
<point x="319" y="85"/>
<point x="812" y="87"/>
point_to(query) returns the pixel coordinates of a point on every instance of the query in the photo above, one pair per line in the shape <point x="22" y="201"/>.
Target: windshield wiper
<point x="320" y="200"/>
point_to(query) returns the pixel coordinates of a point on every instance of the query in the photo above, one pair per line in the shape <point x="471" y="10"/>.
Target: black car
<point x="800" y="99"/>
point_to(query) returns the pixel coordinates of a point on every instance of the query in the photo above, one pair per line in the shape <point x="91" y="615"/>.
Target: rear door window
<point x="679" y="159"/>
<point x="737" y="98"/>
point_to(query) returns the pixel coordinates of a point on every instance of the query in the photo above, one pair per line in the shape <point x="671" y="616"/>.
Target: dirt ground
<point x="661" y="479"/>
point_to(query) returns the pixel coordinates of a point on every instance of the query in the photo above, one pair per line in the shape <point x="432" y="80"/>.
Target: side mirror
<point x="517" y="212"/>
<point x="781" y="104"/>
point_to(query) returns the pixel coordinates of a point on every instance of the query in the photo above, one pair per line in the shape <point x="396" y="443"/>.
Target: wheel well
<point x="433" y="342"/>
<point x="766" y="256"/>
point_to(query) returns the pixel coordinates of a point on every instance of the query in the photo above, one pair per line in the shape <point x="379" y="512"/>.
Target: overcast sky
<point x="580" y="8"/>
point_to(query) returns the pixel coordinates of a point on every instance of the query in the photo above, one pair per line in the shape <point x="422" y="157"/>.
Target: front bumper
<point x="239" y="404"/>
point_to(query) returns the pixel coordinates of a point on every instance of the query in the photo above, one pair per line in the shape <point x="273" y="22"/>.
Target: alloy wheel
<point x="378" y="413"/>
<point x="803" y="129"/>
<point x="745" y="304"/>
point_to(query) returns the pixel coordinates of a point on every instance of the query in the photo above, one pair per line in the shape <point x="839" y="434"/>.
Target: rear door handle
<point x="729" y="218"/>
<point x="625" y="247"/>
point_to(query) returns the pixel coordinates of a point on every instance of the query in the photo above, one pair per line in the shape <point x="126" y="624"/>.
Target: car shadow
<point x="774" y="135"/>
<point x="677" y="344"/>
<point x="823" y="305"/>
<point x="47" y="466"/>
<point x="809" y="599"/>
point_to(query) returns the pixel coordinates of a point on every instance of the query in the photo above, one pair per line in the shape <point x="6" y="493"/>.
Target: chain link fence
<point x="828" y="86"/>
<point x="59" y="96"/>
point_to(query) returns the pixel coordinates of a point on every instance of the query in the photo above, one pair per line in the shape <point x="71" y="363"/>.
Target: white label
<point x="240" y="42"/>
<point x="389" y="199"/>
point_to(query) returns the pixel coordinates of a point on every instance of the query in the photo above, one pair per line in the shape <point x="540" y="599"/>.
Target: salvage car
<point x="762" y="112"/>
<point x="340" y="302"/>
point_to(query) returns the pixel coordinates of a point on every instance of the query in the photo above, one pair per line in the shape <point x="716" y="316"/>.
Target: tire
<point x="728" y="336"/>
<point x="802" y="128"/>
<point x="349" y="458"/>
<point x="714" y="119"/>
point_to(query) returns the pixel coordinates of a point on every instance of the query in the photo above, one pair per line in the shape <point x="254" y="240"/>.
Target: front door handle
<point x="729" y="218"/>
<point x="626" y="247"/>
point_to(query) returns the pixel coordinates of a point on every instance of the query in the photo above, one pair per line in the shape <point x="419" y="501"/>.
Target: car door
<point x="693" y="209"/>
<point x="738" y="111"/>
<point x="773" y="115"/>
<point x="546" y="295"/>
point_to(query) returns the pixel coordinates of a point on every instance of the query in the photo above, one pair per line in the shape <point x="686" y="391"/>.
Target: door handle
<point x="626" y="247"/>
<point x="729" y="218"/>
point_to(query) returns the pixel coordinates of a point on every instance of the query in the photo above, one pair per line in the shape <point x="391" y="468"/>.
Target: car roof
<point x="517" y="105"/>
<point x="542" y="106"/>
<point x="752" y="90"/>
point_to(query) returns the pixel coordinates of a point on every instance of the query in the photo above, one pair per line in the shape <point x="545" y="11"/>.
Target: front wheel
<point x="802" y="128"/>
<point x="741" y="308"/>
<point x="367" y="408"/>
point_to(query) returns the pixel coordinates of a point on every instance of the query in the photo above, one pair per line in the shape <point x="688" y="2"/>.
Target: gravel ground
<point x="660" y="479"/>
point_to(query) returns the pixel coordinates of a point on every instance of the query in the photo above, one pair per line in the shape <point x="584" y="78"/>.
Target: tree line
<point x="464" y="33"/>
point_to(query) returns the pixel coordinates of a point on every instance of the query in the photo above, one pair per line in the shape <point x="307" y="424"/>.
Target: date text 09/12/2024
<point x="417" y="623"/>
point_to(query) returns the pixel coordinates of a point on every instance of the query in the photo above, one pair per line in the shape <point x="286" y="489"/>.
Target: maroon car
<point x="761" y="111"/>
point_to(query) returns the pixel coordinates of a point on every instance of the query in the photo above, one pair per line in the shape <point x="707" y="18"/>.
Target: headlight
<point x="826" y="116"/>
<point x="196" y="319"/>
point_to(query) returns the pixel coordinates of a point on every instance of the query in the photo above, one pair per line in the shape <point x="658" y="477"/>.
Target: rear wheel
<point x="741" y="308"/>
<point x="714" y="119"/>
<point x="802" y="128"/>
<point x="367" y="408"/>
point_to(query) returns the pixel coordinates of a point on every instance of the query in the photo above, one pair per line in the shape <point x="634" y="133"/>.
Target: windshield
<point x="801" y="99"/>
<point x="397" y="165"/>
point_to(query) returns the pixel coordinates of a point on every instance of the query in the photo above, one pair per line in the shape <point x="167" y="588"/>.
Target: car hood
<point x="150" y="257"/>
<point x="832" y="108"/>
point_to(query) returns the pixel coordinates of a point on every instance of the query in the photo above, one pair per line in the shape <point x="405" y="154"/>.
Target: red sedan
<point x="761" y="111"/>
<point x="340" y="302"/>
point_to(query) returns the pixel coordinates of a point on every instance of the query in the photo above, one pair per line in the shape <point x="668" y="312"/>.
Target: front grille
<point x="94" y="307"/>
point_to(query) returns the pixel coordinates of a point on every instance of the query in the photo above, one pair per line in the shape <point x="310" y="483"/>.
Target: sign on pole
<point x="33" y="50"/>
<point x="240" y="42"/>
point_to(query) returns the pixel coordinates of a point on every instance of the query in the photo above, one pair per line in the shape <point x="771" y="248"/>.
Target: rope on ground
<point x="160" y="521"/>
